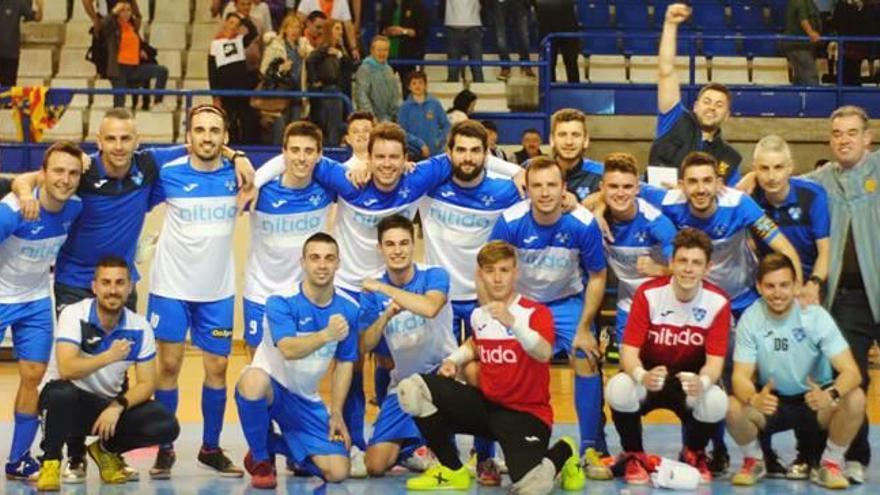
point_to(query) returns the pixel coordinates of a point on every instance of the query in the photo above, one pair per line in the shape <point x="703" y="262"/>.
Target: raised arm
<point x="668" y="85"/>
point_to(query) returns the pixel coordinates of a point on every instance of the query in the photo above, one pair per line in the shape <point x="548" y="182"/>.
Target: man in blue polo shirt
<point x="569" y="140"/>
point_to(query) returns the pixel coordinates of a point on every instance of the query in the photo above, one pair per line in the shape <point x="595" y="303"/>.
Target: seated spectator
<point x="315" y="24"/>
<point x="464" y="34"/>
<point x="377" y="87"/>
<point x="423" y="118"/>
<point x="406" y="24"/>
<point x="802" y="19"/>
<point x="284" y="58"/>
<point x="328" y="70"/>
<point x="10" y="36"/>
<point x="462" y="106"/>
<point x="336" y="10"/>
<point x="531" y="146"/>
<point x="357" y="136"/>
<point x="227" y="69"/>
<point x="127" y="60"/>
<point x="98" y="9"/>
<point x="492" y="138"/>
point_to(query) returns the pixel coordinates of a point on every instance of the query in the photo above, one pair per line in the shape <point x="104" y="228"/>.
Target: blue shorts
<point x="382" y="348"/>
<point x="394" y="425"/>
<point x="253" y="322"/>
<point x="622" y="317"/>
<point x="31" y="324"/>
<point x="461" y="318"/>
<point x="566" y="315"/>
<point x="210" y="323"/>
<point x="304" y="425"/>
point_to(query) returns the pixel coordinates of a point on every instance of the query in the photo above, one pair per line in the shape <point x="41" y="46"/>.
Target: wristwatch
<point x="238" y="154"/>
<point x="122" y="401"/>
<point x="835" y="396"/>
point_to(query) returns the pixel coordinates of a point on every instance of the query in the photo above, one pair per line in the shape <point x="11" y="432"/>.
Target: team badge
<point x="799" y="334"/>
<point x="487" y="200"/>
<point x="230" y="185"/>
<point x="582" y="192"/>
<point x="699" y="313"/>
<point x="795" y="213"/>
<point x="429" y="115"/>
<point x="723" y="169"/>
<point x="641" y="236"/>
<point x="870" y="185"/>
<point x="138" y="178"/>
<point x="561" y="237"/>
<point x="315" y="199"/>
<point x="404" y="192"/>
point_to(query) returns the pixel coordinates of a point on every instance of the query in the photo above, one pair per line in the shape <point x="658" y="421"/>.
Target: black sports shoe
<point x="161" y="469"/>
<point x="775" y="469"/>
<point x="215" y="459"/>
<point x="719" y="464"/>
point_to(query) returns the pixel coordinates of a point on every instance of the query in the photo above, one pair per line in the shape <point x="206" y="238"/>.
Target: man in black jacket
<point x="406" y="24"/>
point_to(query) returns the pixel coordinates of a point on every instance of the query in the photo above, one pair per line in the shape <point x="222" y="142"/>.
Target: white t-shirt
<point x="340" y="10"/>
<point x="462" y="13"/>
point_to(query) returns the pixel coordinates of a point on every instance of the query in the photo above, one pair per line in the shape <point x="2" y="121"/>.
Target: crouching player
<point x="512" y="342"/>
<point x="97" y="340"/>
<point x="790" y="347"/>
<point x="672" y="354"/>
<point x="305" y="334"/>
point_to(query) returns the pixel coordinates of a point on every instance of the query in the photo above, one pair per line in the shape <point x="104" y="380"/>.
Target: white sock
<point x="834" y="452"/>
<point x="753" y="450"/>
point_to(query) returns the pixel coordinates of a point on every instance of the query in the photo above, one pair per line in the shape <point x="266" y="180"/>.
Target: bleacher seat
<point x="29" y="81"/>
<point x="35" y="62"/>
<point x="488" y="89"/>
<point x="69" y="128"/>
<point x="701" y="70"/>
<point x="72" y="63"/>
<point x="102" y="102"/>
<point x="79" y="100"/>
<point x="170" y="36"/>
<point x="709" y="16"/>
<point x="607" y="68"/>
<point x="79" y="12"/>
<point x="197" y="65"/>
<point x="202" y="35"/>
<point x="777" y="14"/>
<point x="54" y="11"/>
<point x="171" y="60"/>
<point x="76" y="35"/>
<point x="760" y="48"/>
<point x="631" y="15"/>
<point x="635" y="43"/>
<point x="199" y="84"/>
<point x="492" y="104"/>
<point x="155" y="127"/>
<point x="7" y="126"/>
<point x="171" y="11"/>
<point x="42" y="33"/>
<point x="643" y="69"/>
<point x="730" y="70"/>
<point x="594" y="14"/>
<point x="94" y="124"/>
<point x="601" y="45"/>
<point x="203" y="13"/>
<point x="747" y="16"/>
<point x="770" y="70"/>
<point x="714" y="47"/>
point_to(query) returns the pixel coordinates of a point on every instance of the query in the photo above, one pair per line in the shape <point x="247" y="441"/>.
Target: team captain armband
<point x="764" y="228"/>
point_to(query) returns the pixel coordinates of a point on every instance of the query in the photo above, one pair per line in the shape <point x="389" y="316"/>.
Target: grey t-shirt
<point x="11" y="14"/>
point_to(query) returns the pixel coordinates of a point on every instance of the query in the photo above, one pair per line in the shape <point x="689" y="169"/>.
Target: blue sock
<point x="277" y="445"/>
<point x="588" y="404"/>
<point x="353" y="411"/>
<point x="485" y="448"/>
<point x="213" y="407"/>
<point x="26" y="426"/>
<point x="167" y="398"/>
<point x="254" y="417"/>
<point x="381" y="380"/>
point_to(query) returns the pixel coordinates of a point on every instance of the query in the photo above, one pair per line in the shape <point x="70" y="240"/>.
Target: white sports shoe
<point x="420" y="460"/>
<point x="358" y="467"/>
<point x="74" y="472"/>
<point x="855" y="472"/>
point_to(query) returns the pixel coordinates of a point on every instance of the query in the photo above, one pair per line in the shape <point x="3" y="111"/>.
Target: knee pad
<point x="540" y="480"/>
<point x="624" y="394"/>
<point x="414" y="397"/>
<point x="711" y="407"/>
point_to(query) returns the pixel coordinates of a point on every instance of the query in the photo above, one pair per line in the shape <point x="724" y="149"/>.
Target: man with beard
<point x="98" y="340"/>
<point x="192" y="282"/>
<point x="681" y="131"/>
<point x="569" y="140"/>
<point x="27" y="251"/>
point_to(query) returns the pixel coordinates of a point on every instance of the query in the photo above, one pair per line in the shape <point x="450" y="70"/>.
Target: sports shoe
<point x="49" y="479"/>
<point x="855" y="472"/>
<point x="488" y="473"/>
<point x="720" y="463"/>
<point x="357" y="465"/>
<point x="215" y="459"/>
<point x="635" y="470"/>
<point x="572" y="474"/>
<point x="23" y="469"/>
<point x="108" y="463"/>
<point x="830" y="476"/>
<point x="74" y="471"/>
<point x="774" y="468"/>
<point x="420" y="460"/>
<point x="699" y="460"/>
<point x="594" y="467"/>
<point x="471" y="464"/>
<point x="161" y="469"/>
<point x="262" y="473"/>
<point x="799" y="469"/>
<point x="750" y="473"/>
<point x="440" y="477"/>
<point x="503" y="74"/>
<point x="132" y="475"/>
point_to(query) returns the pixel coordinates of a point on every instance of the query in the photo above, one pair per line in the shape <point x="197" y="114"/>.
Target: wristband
<point x="462" y="355"/>
<point x="528" y="338"/>
<point x="638" y="374"/>
<point x="706" y="381"/>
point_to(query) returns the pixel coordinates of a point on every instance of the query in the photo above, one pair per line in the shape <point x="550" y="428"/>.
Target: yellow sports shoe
<point x="594" y="467"/>
<point x="109" y="464"/>
<point x="440" y="477"/>
<point x="573" y="478"/>
<point x="49" y="479"/>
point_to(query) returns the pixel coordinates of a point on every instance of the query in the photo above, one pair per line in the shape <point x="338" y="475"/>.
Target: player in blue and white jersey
<point x="800" y="209"/>
<point x="305" y="335"/>
<point x="290" y="209"/>
<point x="727" y="216"/>
<point x="408" y="305"/>
<point x="27" y="251"/>
<point x="192" y="282"/>
<point x="642" y="245"/>
<point x="562" y="265"/>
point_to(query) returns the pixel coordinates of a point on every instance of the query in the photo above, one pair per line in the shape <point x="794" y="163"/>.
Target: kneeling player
<point x="306" y="333"/>
<point x="672" y="354"/>
<point x="512" y="342"/>
<point x="97" y="340"/>
<point x="790" y="346"/>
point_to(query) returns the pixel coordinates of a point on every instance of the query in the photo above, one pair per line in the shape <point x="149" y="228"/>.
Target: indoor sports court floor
<point x="661" y="436"/>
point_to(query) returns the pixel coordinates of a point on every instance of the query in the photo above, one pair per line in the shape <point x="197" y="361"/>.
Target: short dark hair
<point x="315" y="14"/>
<point x="232" y="14"/>
<point x="119" y="113"/>
<point x="568" y="115"/>
<point x="396" y="221"/>
<point x="773" y="262"/>
<point x="321" y="237"/>
<point x="206" y="108"/>
<point x="468" y="128"/>
<point x="716" y="86"/>
<point x="387" y="131"/>
<point x="360" y="115"/>
<point x="66" y="147"/>
<point x="490" y="125"/>
<point x="621" y="162"/>
<point x="306" y="129"/>
<point x="688" y="238"/>
<point x="540" y="163"/>
<point x="112" y="261"/>
<point x="698" y="159"/>
<point x="531" y="130"/>
<point x="417" y="75"/>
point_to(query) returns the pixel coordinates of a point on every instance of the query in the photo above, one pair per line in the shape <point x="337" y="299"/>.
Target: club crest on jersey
<point x="719" y="230"/>
<point x="230" y="185"/>
<point x="138" y="178"/>
<point x="562" y="237"/>
<point x="404" y="192"/>
<point x="641" y="236"/>
<point x="699" y="313"/>
<point x="487" y="200"/>
<point x="799" y="334"/>
<point x="315" y="199"/>
<point x="582" y="192"/>
<point x="795" y="213"/>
